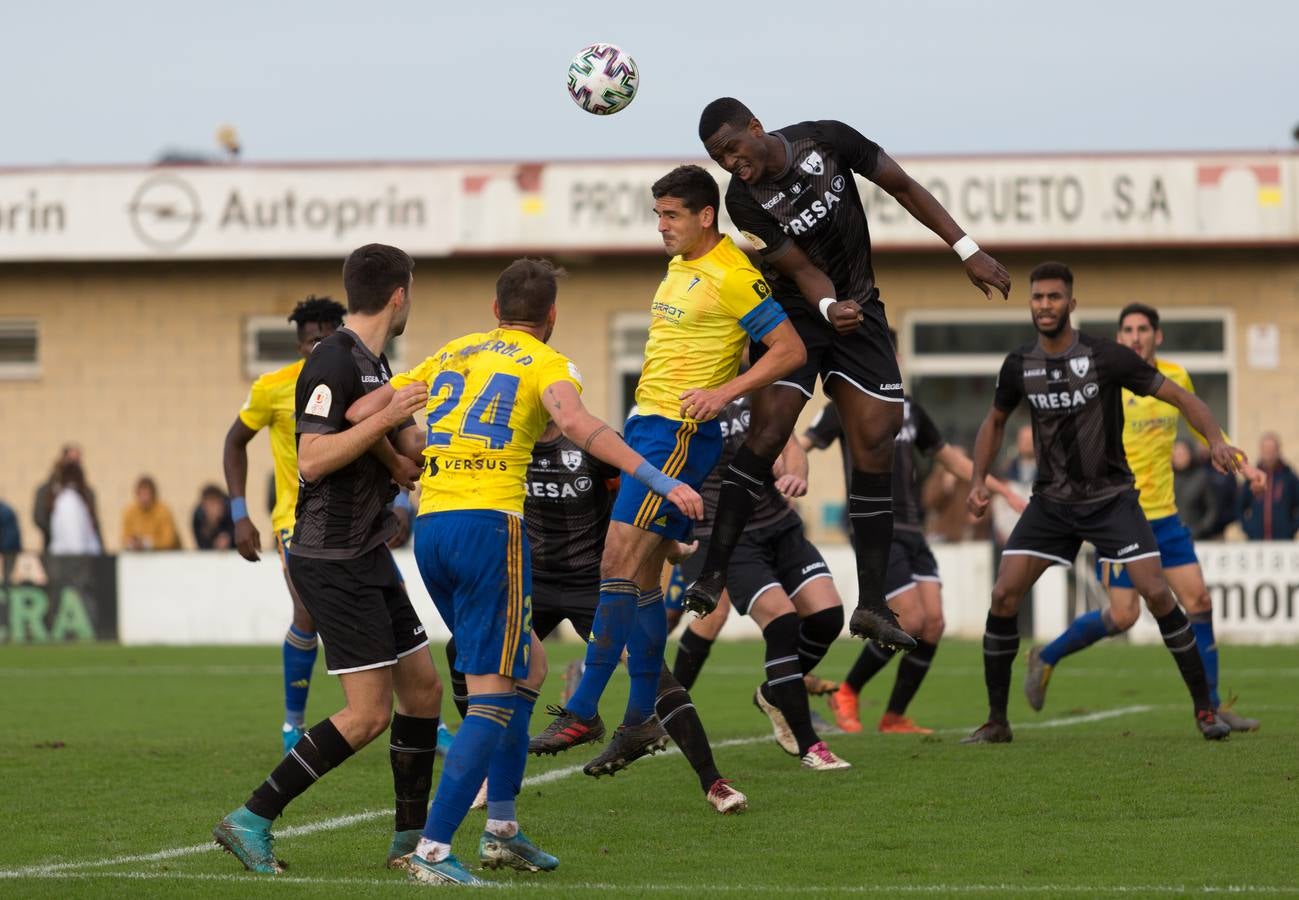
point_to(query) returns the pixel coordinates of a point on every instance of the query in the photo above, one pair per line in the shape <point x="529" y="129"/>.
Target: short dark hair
<point x="693" y="186"/>
<point x="147" y="481"/>
<point x="1048" y="270"/>
<point x="526" y="290"/>
<point x="372" y="273"/>
<point x="322" y="310"/>
<point x="1141" y="309"/>
<point x="722" y="111"/>
<point x="211" y="490"/>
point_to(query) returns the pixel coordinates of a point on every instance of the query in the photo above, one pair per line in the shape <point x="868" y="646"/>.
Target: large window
<point x="271" y="343"/>
<point x="630" y="332"/>
<point x="951" y="359"/>
<point x="20" y="343"/>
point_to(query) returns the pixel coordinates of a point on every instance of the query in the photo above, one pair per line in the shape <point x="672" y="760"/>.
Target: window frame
<point x="255" y="367"/>
<point x="622" y="362"/>
<point x="22" y="371"/>
<point x="958" y="364"/>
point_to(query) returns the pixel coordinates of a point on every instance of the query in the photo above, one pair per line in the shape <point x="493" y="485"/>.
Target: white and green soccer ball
<point x="602" y="79"/>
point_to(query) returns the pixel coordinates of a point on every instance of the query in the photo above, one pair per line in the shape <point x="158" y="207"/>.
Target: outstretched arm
<point x="960" y="465"/>
<point x="1226" y="458"/>
<point x="785" y="353"/>
<point x="986" y="447"/>
<point x="984" y="272"/>
<point x="596" y="437"/>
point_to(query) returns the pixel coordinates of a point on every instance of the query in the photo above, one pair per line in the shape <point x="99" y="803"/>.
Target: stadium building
<point x="138" y="304"/>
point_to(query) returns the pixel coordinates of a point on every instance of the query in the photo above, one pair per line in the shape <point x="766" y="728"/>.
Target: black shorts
<point x="910" y="560"/>
<point x="777" y="556"/>
<point x="574" y="599"/>
<point x="865" y="358"/>
<point x="360" y="608"/>
<point x="1055" y="531"/>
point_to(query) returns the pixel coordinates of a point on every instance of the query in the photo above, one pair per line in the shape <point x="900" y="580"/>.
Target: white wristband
<point x="965" y="247"/>
<point x="826" y="303"/>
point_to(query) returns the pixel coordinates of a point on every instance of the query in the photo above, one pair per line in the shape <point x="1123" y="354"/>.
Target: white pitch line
<point x="540" y="885"/>
<point x="68" y="868"/>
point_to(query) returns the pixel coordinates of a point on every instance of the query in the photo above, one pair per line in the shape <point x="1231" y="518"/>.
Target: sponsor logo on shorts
<point x="812" y="568"/>
<point x="891" y="387"/>
<point x="419" y="629"/>
<point x="661" y="521"/>
<point x="1128" y="549"/>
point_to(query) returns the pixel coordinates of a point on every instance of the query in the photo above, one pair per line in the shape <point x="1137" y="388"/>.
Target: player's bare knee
<point x="933" y="630"/>
<point x="766" y="439"/>
<point x="1005" y="602"/>
<point x="1159" y="598"/>
<point x="1198" y="602"/>
<point x="1121" y="618"/>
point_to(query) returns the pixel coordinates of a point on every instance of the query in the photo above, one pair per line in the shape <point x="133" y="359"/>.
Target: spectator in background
<point x="1225" y="493"/>
<point x="73" y="528"/>
<point x="147" y="523"/>
<point x="43" y="505"/>
<point x="214" y="528"/>
<point x="11" y="537"/>
<point x="1197" y="502"/>
<point x="1273" y="513"/>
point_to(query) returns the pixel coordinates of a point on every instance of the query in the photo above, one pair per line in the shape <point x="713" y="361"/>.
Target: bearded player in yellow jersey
<point x="1149" y="431"/>
<point x="270" y="405"/>
<point x="710" y="304"/>
<point x="490" y="397"/>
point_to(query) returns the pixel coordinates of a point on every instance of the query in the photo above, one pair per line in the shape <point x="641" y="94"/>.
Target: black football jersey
<point x="813" y="204"/>
<point x="1076" y="403"/>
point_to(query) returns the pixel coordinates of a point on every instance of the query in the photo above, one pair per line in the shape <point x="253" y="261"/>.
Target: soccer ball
<point x="602" y="79"/>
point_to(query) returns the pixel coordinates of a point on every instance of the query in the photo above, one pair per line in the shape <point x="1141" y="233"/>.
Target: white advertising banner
<point x="222" y="212"/>
<point x="255" y="211"/>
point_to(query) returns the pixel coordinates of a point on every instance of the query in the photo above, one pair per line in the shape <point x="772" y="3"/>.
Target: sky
<point x="89" y="83"/>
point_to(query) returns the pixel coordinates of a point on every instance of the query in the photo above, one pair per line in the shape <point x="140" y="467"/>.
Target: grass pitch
<point x="115" y="763"/>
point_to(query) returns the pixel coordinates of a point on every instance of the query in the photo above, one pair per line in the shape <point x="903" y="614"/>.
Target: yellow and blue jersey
<point x="270" y="405"/>
<point x="1149" y="432"/>
<point x="703" y="312"/>
<point x="485" y="413"/>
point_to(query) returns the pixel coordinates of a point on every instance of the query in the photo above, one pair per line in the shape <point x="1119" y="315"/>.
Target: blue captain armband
<point x="655" y="480"/>
<point x="759" y="321"/>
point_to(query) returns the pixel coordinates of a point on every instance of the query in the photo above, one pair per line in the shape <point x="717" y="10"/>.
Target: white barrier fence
<point x="218" y="598"/>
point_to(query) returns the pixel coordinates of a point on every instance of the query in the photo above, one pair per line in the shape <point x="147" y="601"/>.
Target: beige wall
<point x="142" y="364"/>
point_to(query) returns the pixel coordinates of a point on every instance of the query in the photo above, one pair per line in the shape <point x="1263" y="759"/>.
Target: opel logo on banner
<point x="165" y="212"/>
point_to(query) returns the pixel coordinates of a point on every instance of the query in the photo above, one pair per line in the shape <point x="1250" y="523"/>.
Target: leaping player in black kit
<point x="1084" y="490"/>
<point x="793" y="195"/>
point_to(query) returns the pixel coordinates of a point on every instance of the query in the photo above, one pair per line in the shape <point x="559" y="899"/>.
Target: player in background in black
<point x="1084" y="489"/>
<point x="793" y="195"/>
<point x="566" y="514"/>
<point x="344" y="572"/>
<point x="912" y="585"/>
<point x="781" y="581"/>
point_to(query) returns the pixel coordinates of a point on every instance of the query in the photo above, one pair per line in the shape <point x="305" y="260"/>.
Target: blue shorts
<point x="478" y="569"/>
<point x="1176" y="548"/>
<point x="686" y="451"/>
